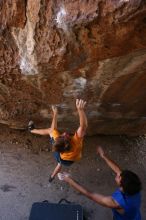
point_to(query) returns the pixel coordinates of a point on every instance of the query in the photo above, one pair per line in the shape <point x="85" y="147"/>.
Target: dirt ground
<point x="25" y="164"/>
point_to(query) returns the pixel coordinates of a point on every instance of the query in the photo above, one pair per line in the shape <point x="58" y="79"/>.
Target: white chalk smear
<point x="60" y="18"/>
<point x="124" y="1"/>
<point x="76" y="87"/>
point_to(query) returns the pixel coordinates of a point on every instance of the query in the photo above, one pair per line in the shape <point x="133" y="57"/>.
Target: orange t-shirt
<point x="75" y="153"/>
<point x="54" y="134"/>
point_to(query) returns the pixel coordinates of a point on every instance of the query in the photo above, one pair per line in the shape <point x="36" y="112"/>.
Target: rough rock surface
<point x="53" y="51"/>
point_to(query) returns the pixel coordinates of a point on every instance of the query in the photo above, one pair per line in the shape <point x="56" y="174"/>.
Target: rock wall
<point x="54" y="51"/>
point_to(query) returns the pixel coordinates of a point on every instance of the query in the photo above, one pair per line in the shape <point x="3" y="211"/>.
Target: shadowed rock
<point x="52" y="52"/>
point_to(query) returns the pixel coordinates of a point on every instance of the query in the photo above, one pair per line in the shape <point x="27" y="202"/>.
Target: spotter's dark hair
<point x="130" y="182"/>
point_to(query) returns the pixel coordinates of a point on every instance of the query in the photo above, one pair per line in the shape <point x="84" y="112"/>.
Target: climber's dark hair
<point x="61" y="145"/>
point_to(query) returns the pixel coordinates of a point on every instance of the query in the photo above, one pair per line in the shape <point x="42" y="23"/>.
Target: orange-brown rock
<point x="54" y="51"/>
